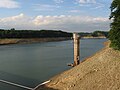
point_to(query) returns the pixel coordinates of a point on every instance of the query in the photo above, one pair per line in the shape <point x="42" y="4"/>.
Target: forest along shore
<point x="99" y="72"/>
<point x="31" y="40"/>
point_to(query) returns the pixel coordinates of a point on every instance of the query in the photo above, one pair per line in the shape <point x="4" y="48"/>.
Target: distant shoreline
<point x="8" y="41"/>
<point x="30" y="40"/>
<point x="100" y="37"/>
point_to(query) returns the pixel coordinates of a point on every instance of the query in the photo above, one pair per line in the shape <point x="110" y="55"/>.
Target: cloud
<point x="58" y="1"/>
<point x="86" y="1"/>
<point x="98" y="5"/>
<point x="19" y="21"/>
<point x="92" y="4"/>
<point x="75" y="11"/>
<point x="9" y="4"/>
<point x="62" y="22"/>
<point x="45" y="7"/>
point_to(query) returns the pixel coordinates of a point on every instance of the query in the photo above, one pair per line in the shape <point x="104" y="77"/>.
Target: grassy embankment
<point x="99" y="72"/>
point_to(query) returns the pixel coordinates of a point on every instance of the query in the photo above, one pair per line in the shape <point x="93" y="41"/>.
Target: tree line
<point x="114" y="34"/>
<point x="12" y="33"/>
<point x="94" y="34"/>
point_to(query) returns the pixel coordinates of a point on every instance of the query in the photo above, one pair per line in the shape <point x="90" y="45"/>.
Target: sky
<point x="66" y="15"/>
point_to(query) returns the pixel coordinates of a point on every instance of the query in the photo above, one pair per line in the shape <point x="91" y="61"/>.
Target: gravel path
<point x="99" y="72"/>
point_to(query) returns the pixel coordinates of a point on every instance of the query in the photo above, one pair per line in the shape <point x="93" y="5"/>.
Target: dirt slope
<point x="31" y="40"/>
<point x="99" y="72"/>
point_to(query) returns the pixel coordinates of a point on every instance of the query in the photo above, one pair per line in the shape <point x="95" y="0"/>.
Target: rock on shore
<point x="99" y="72"/>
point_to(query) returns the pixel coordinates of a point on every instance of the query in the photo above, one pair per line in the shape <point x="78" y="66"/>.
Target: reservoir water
<point x="31" y="64"/>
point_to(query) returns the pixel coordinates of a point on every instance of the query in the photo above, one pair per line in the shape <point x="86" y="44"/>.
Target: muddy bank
<point x="99" y="72"/>
<point x="100" y="37"/>
<point x="31" y="40"/>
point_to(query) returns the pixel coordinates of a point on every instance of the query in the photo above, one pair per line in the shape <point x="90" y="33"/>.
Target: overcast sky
<point x="66" y="15"/>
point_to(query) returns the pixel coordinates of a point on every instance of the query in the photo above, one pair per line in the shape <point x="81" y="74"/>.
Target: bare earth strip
<point x="99" y="72"/>
<point x="31" y="40"/>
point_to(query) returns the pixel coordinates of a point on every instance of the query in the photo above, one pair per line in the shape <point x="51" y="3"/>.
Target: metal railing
<point x="21" y="86"/>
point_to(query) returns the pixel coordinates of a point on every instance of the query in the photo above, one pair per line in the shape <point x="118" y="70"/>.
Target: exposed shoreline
<point x="8" y="41"/>
<point x="31" y="40"/>
<point x="100" y="37"/>
<point x="98" y="72"/>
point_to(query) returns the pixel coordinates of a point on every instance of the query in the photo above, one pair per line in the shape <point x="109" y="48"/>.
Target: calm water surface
<point x="31" y="64"/>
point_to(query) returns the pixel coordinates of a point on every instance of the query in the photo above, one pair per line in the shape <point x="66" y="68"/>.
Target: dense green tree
<point x="12" y="33"/>
<point x="100" y="33"/>
<point x="114" y="34"/>
<point x="94" y="34"/>
<point x="12" y="29"/>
